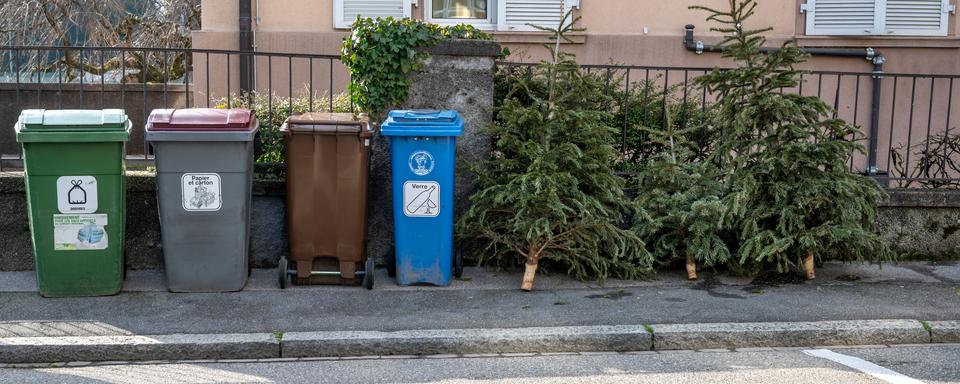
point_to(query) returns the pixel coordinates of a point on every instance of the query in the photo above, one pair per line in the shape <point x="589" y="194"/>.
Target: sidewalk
<point x="487" y="308"/>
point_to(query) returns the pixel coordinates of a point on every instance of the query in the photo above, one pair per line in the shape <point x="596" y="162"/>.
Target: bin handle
<point x="424" y="111"/>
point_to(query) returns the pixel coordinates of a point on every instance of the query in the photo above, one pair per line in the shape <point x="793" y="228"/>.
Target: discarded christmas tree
<point x="548" y="194"/>
<point x="791" y="196"/>
<point x="679" y="211"/>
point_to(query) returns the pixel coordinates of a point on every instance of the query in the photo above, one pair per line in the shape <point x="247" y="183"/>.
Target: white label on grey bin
<point x="77" y="194"/>
<point x="79" y="232"/>
<point x="201" y="191"/>
<point x="421" y="199"/>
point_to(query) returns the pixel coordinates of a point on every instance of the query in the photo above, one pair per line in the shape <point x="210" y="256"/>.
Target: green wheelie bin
<point x="73" y="161"/>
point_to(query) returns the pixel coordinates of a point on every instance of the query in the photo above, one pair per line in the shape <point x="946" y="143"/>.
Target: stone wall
<point x="919" y="224"/>
<point x="922" y="224"/>
<point x="458" y="75"/>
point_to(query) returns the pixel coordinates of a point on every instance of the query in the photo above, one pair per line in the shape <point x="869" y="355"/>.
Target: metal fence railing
<point x="142" y="79"/>
<point x="909" y="127"/>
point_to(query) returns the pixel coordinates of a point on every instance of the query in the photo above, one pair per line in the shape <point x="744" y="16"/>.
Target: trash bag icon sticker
<point x="201" y="191"/>
<point x="77" y="194"/>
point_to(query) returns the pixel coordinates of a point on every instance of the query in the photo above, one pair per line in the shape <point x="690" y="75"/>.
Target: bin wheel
<point x="284" y="273"/>
<point x="391" y="259"/>
<point x="368" y="274"/>
<point x="458" y="264"/>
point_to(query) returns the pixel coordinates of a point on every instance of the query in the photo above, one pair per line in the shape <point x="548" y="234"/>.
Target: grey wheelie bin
<point x="204" y="163"/>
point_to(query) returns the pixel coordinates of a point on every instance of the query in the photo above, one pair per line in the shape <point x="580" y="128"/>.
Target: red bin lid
<point x="200" y="119"/>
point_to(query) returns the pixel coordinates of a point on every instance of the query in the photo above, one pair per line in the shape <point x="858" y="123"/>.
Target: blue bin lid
<point x="422" y="122"/>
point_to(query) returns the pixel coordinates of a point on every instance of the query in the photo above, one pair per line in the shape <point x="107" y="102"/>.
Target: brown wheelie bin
<point x="327" y="158"/>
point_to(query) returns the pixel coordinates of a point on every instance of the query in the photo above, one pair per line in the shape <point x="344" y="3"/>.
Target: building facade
<point x="918" y="36"/>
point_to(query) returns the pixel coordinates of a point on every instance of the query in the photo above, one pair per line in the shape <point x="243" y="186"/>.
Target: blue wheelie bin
<point x="423" y="160"/>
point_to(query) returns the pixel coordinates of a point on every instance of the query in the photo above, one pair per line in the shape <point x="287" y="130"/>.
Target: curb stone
<point x="460" y="342"/>
<point x="468" y="341"/>
<point x="945" y="331"/>
<point x="788" y="334"/>
<point x="129" y="348"/>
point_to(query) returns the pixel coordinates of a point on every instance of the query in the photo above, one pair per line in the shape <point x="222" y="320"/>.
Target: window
<point x="514" y="15"/>
<point x="476" y="12"/>
<point x="459" y="9"/>
<point x="877" y="17"/>
<point x="346" y="11"/>
<point x="501" y="15"/>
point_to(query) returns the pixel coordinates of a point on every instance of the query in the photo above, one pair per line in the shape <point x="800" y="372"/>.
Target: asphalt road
<point x="900" y="365"/>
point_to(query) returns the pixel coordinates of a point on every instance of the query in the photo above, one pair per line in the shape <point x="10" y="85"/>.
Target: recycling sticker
<point x="201" y="192"/>
<point x="421" y="163"/>
<point x="80" y="232"/>
<point x="77" y="194"/>
<point x="421" y="199"/>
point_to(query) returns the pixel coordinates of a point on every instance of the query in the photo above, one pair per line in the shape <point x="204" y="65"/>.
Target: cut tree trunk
<point x="528" y="275"/>
<point x="531" y="270"/>
<point x="691" y="268"/>
<point x="808" y="267"/>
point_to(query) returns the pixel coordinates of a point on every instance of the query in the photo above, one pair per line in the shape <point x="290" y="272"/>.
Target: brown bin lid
<point x="326" y="122"/>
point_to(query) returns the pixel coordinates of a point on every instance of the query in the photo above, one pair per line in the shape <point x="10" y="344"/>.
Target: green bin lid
<point x="62" y="120"/>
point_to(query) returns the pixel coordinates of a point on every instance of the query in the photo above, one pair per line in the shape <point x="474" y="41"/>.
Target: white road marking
<point x="864" y="366"/>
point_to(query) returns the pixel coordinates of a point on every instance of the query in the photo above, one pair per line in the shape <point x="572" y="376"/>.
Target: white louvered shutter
<point x="345" y="11"/>
<point x="917" y="17"/>
<point x="842" y="17"/>
<point x="877" y="17"/>
<point x="515" y="15"/>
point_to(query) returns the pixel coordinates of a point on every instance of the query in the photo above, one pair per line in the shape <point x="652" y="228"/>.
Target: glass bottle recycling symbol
<point x="76" y="194"/>
<point x="423" y="201"/>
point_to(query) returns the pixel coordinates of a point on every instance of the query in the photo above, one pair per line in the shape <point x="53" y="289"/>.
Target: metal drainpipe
<point x="256" y="21"/>
<point x="869" y="53"/>
<point x="254" y="47"/>
<point x="872" y="158"/>
<point x="246" y="46"/>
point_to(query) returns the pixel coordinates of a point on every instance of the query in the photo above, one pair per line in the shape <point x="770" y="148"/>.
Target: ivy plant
<point x="379" y="54"/>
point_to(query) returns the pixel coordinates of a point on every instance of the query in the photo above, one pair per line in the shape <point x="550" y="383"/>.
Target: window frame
<point x="879" y="23"/>
<point x="340" y="23"/>
<point x="503" y="26"/>
<point x="488" y="24"/>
